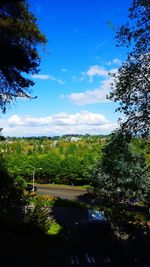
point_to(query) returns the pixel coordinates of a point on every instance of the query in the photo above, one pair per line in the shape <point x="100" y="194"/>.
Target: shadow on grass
<point x="26" y="245"/>
<point x="128" y="244"/>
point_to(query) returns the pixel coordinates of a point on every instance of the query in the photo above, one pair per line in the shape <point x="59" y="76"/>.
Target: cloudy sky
<point x="73" y="80"/>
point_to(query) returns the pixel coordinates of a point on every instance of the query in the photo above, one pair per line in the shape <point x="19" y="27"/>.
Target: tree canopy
<point x="131" y="86"/>
<point x="58" y="161"/>
<point x="122" y="172"/>
<point x="19" y="38"/>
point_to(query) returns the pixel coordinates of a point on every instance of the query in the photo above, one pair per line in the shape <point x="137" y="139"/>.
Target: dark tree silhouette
<point x="131" y="87"/>
<point x="19" y="38"/>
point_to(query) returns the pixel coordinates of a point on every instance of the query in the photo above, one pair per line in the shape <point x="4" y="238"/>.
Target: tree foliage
<point x="38" y="216"/>
<point x="62" y="161"/>
<point x="131" y="86"/>
<point x="19" y="38"/>
<point x="12" y="199"/>
<point x="122" y="173"/>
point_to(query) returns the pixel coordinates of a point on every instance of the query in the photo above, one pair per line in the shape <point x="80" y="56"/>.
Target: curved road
<point x="62" y="192"/>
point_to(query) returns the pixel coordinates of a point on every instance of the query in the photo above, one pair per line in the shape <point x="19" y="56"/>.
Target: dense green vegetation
<point x="122" y="180"/>
<point x="66" y="160"/>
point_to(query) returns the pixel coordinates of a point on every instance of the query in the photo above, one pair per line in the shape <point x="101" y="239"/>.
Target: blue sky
<point x="73" y="80"/>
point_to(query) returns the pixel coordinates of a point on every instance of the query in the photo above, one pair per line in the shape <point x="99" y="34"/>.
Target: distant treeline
<point x="56" y="137"/>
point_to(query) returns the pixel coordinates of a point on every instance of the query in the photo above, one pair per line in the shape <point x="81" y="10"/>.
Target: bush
<point x="38" y="215"/>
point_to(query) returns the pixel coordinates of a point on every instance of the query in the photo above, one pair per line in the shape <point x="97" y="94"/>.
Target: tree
<point x="122" y="173"/>
<point x="12" y="198"/>
<point x="19" y="38"/>
<point x="131" y="86"/>
<point x="2" y="138"/>
<point x="120" y="180"/>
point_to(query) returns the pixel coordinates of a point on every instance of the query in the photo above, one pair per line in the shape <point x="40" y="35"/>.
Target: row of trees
<point x="52" y="168"/>
<point x="64" y="161"/>
<point x="59" y="161"/>
<point x="45" y="145"/>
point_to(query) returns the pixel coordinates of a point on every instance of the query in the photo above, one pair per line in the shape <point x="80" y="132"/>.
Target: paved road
<point x="64" y="193"/>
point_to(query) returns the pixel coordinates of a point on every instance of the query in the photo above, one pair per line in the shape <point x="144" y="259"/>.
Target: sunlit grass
<point x="55" y="228"/>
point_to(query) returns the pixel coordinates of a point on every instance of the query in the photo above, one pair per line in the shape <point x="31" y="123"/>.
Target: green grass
<point x="55" y="228"/>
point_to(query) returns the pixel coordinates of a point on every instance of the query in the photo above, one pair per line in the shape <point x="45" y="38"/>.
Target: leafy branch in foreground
<point x="131" y="86"/>
<point x="19" y="39"/>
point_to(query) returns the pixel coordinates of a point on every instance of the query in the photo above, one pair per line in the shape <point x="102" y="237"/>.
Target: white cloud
<point x="47" y="77"/>
<point x="83" y="117"/>
<point x="93" y="71"/>
<point x="58" y="124"/>
<point x="64" y="70"/>
<point x="97" y="95"/>
<point x="16" y="120"/>
<point x="78" y="79"/>
<point x="60" y="81"/>
<point x="41" y="76"/>
<point x="96" y="70"/>
<point x="115" y="61"/>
